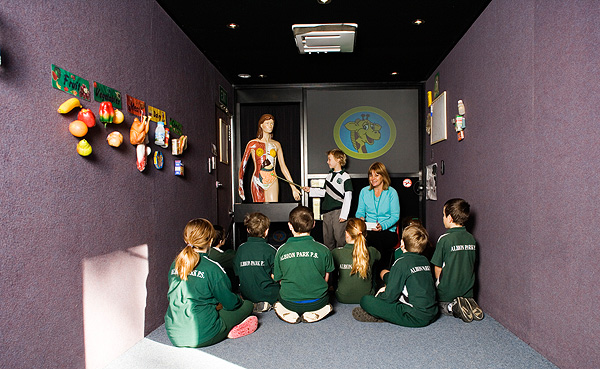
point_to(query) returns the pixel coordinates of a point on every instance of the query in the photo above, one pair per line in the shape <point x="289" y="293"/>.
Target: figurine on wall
<point x="265" y="152"/>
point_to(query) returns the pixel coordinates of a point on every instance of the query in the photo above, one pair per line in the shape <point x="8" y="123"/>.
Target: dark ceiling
<point x="387" y="41"/>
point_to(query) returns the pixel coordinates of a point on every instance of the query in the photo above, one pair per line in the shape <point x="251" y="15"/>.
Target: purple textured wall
<point x="59" y="209"/>
<point x="527" y="73"/>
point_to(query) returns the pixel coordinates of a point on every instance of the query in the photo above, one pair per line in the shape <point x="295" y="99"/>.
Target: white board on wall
<point x="438" y="121"/>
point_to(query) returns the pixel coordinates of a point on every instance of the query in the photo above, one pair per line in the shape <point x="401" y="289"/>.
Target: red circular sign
<point x="407" y="183"/>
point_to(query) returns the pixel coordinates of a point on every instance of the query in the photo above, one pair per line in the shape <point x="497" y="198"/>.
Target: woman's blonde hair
<point x="198" y="235"/>
<point x="380" y="169"/>
<point x="357" y="230"/>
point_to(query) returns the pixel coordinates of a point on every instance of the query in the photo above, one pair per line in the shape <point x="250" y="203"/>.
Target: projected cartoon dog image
<point x="363" y="132"/>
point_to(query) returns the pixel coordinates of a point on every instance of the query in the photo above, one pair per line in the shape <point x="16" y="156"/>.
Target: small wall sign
<point x="135" y="106"/>
<point x="70" y="83"/>
<point x="176" y="127"/>
<point x="222" y="96"/>
<point x="105" y="93"/>
<point x="157" y="115"/>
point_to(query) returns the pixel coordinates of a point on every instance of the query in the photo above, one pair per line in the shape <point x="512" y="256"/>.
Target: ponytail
<point x="356" y="229"/>
<point x="186" y="261"/>
<point x="198" y="234"/>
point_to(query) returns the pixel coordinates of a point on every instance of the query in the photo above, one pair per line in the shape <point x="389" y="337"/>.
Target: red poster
<point x="135" y="106"/>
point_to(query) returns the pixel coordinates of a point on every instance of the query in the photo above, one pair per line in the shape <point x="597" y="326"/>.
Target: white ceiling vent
<point x="325" y="38"/>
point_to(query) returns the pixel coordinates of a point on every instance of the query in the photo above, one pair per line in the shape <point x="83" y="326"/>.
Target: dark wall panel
<point x="325" y="109"/>
<point x="527" y="166"/>
<point x="59" y="209"/>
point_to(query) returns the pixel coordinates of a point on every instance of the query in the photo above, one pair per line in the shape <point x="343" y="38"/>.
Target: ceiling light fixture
<point x="262" y="76"/>
<point x="233" y="25"/>
<point x="323" y="2"/>
<point x="322" y="38"/>
<point x="418" y="22"/>
<point x="394" y="73"/>
<point x="244" y="75"/>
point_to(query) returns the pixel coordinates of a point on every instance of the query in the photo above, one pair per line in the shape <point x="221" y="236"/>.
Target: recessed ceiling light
<point x="262" y="76"/>
<point x="244" y="75"/>
<point x="323" y="2"/>
<point x="233" y="25"/>
<point x="394" y="73"/>
<point x="418" y="22"/>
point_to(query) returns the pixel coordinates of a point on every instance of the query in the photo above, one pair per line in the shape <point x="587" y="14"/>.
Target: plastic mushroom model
<point x="138" y="136"/>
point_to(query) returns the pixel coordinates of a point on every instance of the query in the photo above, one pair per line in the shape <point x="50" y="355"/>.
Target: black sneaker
<point x="462" y="309"/>
<point x="362" y="316"/>
<point x="477" y="311"/>
<point x="261" y="307"/>
<point x="445" y="308"/>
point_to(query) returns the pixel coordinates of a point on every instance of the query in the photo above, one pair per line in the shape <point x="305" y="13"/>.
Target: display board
<point x="438" y="119"/>
<point x="368" y="125"/>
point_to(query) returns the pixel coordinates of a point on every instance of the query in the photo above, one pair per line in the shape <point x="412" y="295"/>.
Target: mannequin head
<point x="261" y="128"/>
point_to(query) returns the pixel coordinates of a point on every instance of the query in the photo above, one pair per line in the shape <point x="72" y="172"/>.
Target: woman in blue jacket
<point x="379" y="206"/>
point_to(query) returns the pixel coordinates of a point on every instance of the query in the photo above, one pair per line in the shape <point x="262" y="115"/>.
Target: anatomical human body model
<point x="265" y="152"/>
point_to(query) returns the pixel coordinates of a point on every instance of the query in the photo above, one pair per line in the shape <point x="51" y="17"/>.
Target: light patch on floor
<point x="114" y="302"/>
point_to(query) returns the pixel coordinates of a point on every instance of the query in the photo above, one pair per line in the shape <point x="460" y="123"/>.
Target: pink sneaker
<point x="246" y="327"/>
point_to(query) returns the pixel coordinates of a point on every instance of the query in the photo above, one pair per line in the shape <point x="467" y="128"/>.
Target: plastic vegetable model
<point x="106" y="113"/>
<point x="84" y="148"/>
<point x="119" y="117"/>
<point x="78" y="128"/>
<point x="115" y="139"/>
<point x="69" y="105"/>
<point x="87" y="117"/>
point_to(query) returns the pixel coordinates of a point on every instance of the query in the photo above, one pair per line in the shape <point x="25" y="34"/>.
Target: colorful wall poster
<point x="105" y="93"/>
<point x="175" y="127"/>
<point x="135" y="106"/>
<point x="364" y="132"/>
<point x="156" y="115"/>
<point x="70" y="83"/>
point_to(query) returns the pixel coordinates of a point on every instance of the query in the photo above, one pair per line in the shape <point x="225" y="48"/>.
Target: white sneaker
<point x="286" y="315"/>
<point x="314" y="316"/>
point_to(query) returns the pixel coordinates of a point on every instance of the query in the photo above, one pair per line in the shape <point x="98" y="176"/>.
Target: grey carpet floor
<point x="339" y="341"/>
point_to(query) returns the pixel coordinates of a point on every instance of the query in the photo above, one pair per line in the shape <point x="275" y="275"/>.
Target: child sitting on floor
<point x="454" y="260"/>
<point x="354" y="263"/>
<point x="253" y="264"/>
<point x="223" y="257"/>
<point x="202" y="309"/>
<point x="408" y="298"/>
<point x="302" y="266"/>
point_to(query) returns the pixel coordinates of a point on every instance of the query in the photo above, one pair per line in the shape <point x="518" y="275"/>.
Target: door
<point x="223" y="168"/>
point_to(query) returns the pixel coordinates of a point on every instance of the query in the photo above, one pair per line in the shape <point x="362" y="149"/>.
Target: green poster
<point x="70" y="83"/>
<point x="176" y="127"/>
<point x="105" y="93"/>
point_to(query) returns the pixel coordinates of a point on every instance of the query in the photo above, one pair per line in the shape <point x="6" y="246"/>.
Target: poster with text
<point x="70" y="83"/>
